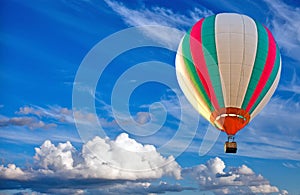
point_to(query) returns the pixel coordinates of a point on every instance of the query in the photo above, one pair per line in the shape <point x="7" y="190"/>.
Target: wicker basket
<point x="230" y="147"/>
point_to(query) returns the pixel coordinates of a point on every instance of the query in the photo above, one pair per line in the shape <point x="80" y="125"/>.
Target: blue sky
<point x="148" y="141"/>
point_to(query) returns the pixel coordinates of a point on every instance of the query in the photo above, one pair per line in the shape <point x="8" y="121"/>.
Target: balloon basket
<point x="230" y="147"/>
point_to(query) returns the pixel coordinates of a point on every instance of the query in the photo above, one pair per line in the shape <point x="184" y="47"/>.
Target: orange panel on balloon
<point x="230" y="120"/>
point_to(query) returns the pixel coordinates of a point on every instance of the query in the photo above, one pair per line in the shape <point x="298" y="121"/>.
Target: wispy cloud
<point x="30" y="122"/>
<point x="273" y="132"/>
<point x="284" y="20"/>
<point x="63" y="115"/>
<point x="292" y="86"/>
<point x="18" y="135"/>
<point x="35" y="117"/>
<point x="159" y="16"/>
<point x="291" y="165"/>
<point x="273" y="122"/>
<point x="281" y="19"/>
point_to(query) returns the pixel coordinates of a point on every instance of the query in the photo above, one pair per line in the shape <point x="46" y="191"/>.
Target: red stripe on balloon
<point x="266" y="72"/>
<point x="200" y="63"/>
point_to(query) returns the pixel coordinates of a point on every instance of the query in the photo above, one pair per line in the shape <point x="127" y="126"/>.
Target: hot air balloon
<point x="228" y="67"/>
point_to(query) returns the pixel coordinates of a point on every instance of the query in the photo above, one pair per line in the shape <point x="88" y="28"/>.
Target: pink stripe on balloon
<point x="266" y="72"/>
<point x="200" y="63"/>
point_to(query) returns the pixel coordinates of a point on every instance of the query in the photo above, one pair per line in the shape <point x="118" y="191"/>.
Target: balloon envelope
<point x="228" y="67"/>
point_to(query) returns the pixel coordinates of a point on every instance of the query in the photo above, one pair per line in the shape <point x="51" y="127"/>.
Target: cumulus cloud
<point x="11" y="172"/>
<point x="241" y="180"/>
<point x="159" y="16"/>
<point x="128" y="159"/>
<point x="122" y="159"/>
<point x="104" y="167"/>
<point x="50" y="157"/>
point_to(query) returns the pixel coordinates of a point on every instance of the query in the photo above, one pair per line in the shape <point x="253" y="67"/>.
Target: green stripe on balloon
<point x="192" y="71"/>
<point x="259" y="63"/>
<point x="196" y="48"/>
<point x="266" y="73"/>
<point x="210" y="55"/>
<point x="270" y="81"/>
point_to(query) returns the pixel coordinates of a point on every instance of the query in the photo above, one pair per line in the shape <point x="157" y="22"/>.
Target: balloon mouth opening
<point x="230" y="119"/>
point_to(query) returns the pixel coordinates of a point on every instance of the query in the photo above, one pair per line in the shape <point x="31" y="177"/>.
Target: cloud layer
<point x="102" y="166"/>
<point x="124" y="166"/>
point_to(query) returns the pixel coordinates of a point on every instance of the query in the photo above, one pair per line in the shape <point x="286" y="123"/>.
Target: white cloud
<point x="284" y="21"/>
<point x="245" y="170"/>
<point x="50" y="157"/>
<point x="263" y="189"/>
<point x="284" y="192"/>
<point x="159" y="16"/>
<point x="241" y="180"/>
<point x="123" y="158"/>
<point x="11" y="172"/>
